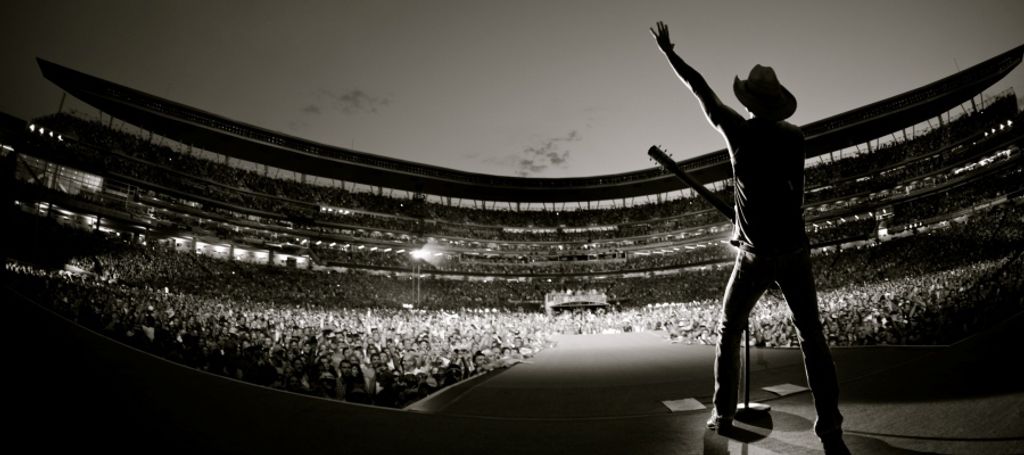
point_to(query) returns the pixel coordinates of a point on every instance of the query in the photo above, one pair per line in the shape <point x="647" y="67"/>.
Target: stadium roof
<point x="212" y="132"/>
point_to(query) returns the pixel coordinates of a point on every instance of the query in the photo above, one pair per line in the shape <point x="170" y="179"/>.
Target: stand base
<point x="752" y="408"/>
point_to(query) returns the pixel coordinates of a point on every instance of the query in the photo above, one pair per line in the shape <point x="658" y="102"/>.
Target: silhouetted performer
<point x="768" y="173"/>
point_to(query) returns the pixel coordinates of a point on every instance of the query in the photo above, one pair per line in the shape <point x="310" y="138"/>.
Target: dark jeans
<point x="751" y="276"/>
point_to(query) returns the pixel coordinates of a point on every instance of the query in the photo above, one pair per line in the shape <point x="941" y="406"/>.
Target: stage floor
<point x="895" y="399"/>
<point x="599" y="394"/>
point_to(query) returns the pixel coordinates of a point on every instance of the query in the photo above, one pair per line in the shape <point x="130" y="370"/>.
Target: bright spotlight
<point x="32" y="127"/>
<point x="419" y="254"/>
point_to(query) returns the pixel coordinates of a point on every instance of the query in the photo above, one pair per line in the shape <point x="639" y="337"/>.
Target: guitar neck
<point x="668" y="163"/>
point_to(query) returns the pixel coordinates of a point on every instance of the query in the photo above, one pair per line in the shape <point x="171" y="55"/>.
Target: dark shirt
<point x="768" y="174"/>
<point x="768" y="171"/>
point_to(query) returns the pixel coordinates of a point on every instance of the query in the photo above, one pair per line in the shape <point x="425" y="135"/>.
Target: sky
<point x="524" y="88"/>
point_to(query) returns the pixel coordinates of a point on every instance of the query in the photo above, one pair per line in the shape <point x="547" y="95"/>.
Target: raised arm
<point x="722" y="117"/>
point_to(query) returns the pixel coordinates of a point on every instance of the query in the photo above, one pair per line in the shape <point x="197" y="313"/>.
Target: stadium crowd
<point x="386" y="357"/>
<point x="936" y="168"/>
<point x="1005" y="180"/>
<point x="348" y="336"/>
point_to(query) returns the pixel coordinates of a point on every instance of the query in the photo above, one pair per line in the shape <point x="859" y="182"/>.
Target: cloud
<point x="355" y="101"/>
<point x="550" y="153"/>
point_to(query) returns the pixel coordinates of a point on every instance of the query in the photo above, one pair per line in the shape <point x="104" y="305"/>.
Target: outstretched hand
<point x="661" y="36"/>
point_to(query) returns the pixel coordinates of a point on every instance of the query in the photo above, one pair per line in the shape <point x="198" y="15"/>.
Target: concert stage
<point x="598" y="394"/>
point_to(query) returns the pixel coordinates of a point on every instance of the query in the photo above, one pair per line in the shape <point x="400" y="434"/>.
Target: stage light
<point x="32" y="127"/>
<point x="419" y="254"/>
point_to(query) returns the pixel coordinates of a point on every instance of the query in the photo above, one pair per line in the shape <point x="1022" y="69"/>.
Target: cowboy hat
<point x="762" y="93"/>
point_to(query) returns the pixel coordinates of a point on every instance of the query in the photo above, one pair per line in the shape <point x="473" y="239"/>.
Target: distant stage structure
<point x="558" y="301"/>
